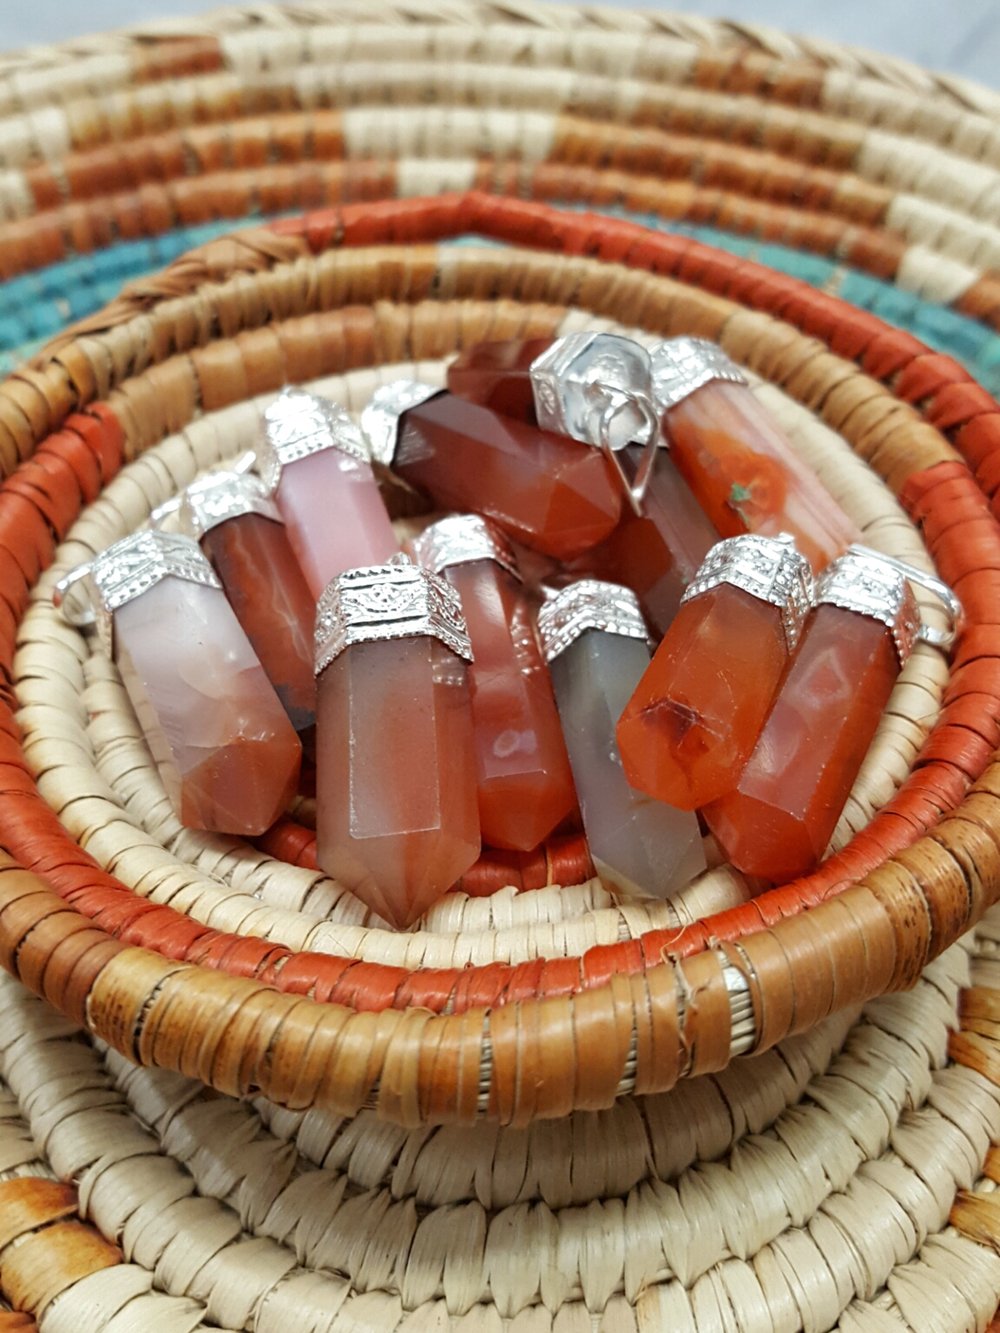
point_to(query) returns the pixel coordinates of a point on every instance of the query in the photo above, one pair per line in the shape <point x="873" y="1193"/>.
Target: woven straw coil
<point x="812" y="1187"/>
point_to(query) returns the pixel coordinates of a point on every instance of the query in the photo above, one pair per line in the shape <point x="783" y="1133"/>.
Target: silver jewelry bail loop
<point x="937" y="638"/>
<point x="617" y="402"/>
<point x="73" y="601"/>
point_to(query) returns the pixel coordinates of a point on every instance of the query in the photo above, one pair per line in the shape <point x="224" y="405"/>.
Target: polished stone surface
<point x="397" y="821"/>
<point x="639" y="846"/>
<point x="225" y="749"/>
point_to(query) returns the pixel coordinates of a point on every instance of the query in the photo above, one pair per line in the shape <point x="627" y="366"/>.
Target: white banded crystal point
<point x="639" y="846"/>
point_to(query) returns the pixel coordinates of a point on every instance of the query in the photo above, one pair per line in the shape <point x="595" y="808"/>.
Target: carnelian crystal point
<point x="777" y="823"/>
<point x="696" y="714"/>
<point x="748" y="478"/>
<point x="551" y="493"/>
<point x="268" y="592"/>
<point x="656" y="553"/>
<point x="524" y="780"/>
<point x="497" y="375"/>
<point x="226" y="751"/>
<point x="396" y="819"/>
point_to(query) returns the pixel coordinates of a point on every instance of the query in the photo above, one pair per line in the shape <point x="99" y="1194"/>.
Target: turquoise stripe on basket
<point x="37" y="305"/>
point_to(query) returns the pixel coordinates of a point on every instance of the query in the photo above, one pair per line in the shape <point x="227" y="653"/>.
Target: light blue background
<point x="959" y="36"/>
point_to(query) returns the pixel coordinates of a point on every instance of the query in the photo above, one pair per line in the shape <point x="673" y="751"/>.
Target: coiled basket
<point x="229" y="1097"/>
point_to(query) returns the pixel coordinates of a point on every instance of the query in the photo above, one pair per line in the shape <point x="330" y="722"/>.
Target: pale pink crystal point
<point x="225" y="749"/>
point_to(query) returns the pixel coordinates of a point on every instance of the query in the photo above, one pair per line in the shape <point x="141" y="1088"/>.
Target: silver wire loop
<point x="937" y="638"/>
<point x="618" y="402"/>
<point x="73" y="601"/>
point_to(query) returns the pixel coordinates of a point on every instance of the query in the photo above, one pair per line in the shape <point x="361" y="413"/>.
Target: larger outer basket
<point x="217" y="961"/>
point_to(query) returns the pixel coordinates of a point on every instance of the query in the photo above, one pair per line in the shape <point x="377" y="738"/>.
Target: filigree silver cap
<point x="380" y="419"/>
<point x="595" y="388"/>
<point x="881" y="587"/>
<point x="91" y="593"/>
<point x="681" y="365"/>
<point x="769" y="568"/>
<point x="398" y="600"/>
<point x="220" y="496"/>
<point x="589" y="604"/>
<point x="460" y="539"/>
<point x="298" y="424"/>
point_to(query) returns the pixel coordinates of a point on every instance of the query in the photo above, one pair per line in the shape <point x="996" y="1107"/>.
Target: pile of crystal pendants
<point x="631" y="608"/>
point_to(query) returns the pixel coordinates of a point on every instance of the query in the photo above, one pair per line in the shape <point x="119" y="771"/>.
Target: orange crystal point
<point x="525" y="784"/>
<point x="551" y="493"/>
<point x="746" y="475"/>
<point x="777" y="823"/>
<point x="396" y="774"/>
<point x="497" y="375"/>
<point x="696" y="713"/>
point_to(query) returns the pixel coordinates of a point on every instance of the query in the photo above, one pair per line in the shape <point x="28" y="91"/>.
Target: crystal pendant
<point x="594" y="637"/>
<point x="546" y="491"/>
<point x="697" y="712"/>
<point x="314" y="460"/>
<point x="524" y="780"/>
<point x="740" y="466"/>
<point x="224" y="747"/>
<point x="778" y="820"/>
<point x="396" y="818"/>
<point x="582" y="385"/>
<point x="239" y="529"/>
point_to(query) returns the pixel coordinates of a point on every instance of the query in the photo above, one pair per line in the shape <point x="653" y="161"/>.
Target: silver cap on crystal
<point x="461" y="539"/>
<point x="221" y="496"/>
<point x="125" y="571"/>
<point x="879" y="586"/>
<point x="380" y="419"/>
<point x="589" y="604"/>
<point x="682" y="365"/>
<point x="298" y="424"/>
<point x="768" y="568"/>
<point x="594" y="387"/>
<point x="398" y="600"/>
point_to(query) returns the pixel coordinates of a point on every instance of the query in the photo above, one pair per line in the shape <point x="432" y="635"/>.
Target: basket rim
<point x="704" y="972"/>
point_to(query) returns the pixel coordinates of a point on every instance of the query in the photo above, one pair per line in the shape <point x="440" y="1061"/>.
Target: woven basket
<point x="525" y="1114"/>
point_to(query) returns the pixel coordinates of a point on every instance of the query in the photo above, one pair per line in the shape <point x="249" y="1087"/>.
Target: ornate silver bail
<point x="92" y="592"/>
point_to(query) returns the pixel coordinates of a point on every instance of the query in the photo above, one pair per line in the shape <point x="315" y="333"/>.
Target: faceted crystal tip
<point x="682" y="365"/>
<point x="768" y="568"/>
<point x="220" y="496"/>
<point x="398" y="600"/>
<point x="588" y="604"/>
<point x="380" y="419"/>
<point x="460" y="539"/>
<point x="592" y="387"/>
<point x="298" y="424"/>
